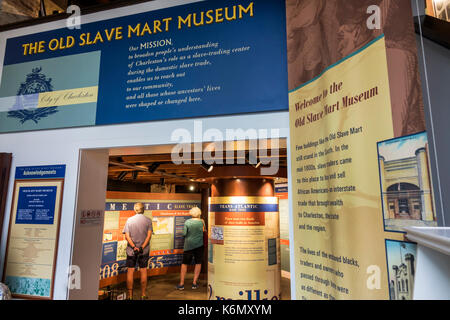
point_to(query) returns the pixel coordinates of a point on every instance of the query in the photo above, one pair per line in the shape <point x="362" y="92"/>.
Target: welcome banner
<point x="201" y="59"/>
<point x="360" y="169"/>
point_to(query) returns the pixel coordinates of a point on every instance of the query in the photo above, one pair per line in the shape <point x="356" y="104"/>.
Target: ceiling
<point x="142" y="166"/>
<point x="15" y="11"/>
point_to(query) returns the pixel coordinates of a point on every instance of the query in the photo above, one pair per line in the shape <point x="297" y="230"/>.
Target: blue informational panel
<point x="109" y="252"/>
<point x="36" y="205"/>
<point x="244" y="207"/>
<point x="203" y="59"/>
<point x="41" y="172"/>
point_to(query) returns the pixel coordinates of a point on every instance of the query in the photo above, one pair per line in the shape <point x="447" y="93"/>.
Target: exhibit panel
<point x="359" y="153"/>
<point x="165" y="64"/>
<point x="244" y="240"/>
<point x="39" y="147"/>
<point x="34" y="231"/>
<point x="168" y="213"/>
<point x="281" y="191"/>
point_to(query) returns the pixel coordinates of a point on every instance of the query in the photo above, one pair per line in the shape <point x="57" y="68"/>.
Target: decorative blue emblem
<point x="28" y="93"/>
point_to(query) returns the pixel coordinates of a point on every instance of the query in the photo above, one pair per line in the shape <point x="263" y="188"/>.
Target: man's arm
<point x="147" y="240"/>
<point x="130" y="242"/>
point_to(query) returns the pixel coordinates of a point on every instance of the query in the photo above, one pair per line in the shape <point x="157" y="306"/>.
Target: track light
<point x="153" y="167"/>
<point x="207" y="167"/>
<point x="254" y="165"/>
<point x="122" y="175"/>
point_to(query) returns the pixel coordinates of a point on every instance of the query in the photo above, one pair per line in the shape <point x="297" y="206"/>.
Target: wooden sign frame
<point x="59" y="183"/>
<point x="5" y="168"/>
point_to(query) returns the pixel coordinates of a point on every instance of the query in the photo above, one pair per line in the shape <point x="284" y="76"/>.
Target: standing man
<point x="138" y="232"/>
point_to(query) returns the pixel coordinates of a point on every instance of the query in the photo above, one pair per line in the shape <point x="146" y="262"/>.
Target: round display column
<point x="244" y="239"/>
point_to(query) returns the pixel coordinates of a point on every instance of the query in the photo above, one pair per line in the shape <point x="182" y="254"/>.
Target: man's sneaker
<point x="194" y="286"/>
<point x="179" y="287"/>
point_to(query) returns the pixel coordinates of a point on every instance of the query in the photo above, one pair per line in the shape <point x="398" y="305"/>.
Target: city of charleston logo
<point x="27" y="98"/>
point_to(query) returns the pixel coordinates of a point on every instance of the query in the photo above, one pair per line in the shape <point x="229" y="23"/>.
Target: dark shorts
<point x="194" y="255"/>
<point x="140" y="260"/>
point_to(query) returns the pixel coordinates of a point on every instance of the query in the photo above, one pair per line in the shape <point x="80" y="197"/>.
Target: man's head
<point x="139" y="208"/>
<point x="195" y="212"/>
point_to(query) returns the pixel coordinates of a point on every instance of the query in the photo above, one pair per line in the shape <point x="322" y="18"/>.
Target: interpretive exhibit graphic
<point x="217" y="235"/>
<point x="166" y="245"/>
<point x="405" y="180"/>
<point x="348" y="94"/>
<point x="164" y="64"/>
<point x="244" y="248"/>
<point x="281" y="191"/>
<point x="401" y="264"/>
<point x="49" y="93"/>
<point x="322" y="33"/>
<point x="36" y="83"/>
<point x="34" y="231"/>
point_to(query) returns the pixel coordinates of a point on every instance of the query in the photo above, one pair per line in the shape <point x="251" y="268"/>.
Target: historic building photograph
<point x="405" y="181"/>
<point x="401" y="258"/>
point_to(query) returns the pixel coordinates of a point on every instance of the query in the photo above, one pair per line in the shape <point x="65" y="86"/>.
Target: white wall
<point x="432" y="278"/>
<point x="63" y="146"/>
<point x="87" y="239"/>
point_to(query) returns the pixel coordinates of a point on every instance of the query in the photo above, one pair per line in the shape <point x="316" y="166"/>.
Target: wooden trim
<point x="5" y="169"/>
<point x="63" y="16"/>
<point x="434" y="29"/>
<point x="58" y="231"/>
<point x="112" y="195"/>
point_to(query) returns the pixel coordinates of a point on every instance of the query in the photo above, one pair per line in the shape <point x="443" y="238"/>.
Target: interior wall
<point x="435" y="65"/>
<point x="87" y="239"/>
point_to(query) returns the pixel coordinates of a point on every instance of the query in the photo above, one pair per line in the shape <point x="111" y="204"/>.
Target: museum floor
<point x="163" y="288"/>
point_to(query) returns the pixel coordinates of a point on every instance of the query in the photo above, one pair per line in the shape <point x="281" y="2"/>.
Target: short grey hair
<point x="139" y="207"/>
<point x="195" y="212"/>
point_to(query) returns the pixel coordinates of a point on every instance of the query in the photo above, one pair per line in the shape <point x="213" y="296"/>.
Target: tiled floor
<point x="163" y="288"/>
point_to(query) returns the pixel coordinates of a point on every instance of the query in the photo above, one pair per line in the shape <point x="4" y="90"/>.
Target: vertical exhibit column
<point x="244" y="240"/>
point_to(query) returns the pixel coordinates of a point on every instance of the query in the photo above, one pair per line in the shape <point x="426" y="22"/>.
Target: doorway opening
<point x="169" y="190"/>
